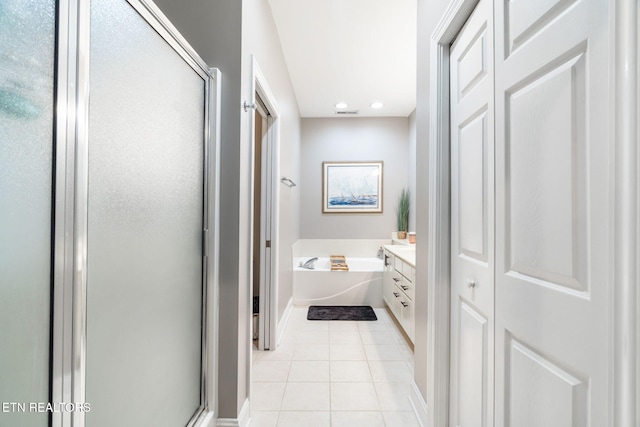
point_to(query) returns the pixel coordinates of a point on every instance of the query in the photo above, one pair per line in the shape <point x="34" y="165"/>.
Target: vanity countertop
<point x="404" y="252"/>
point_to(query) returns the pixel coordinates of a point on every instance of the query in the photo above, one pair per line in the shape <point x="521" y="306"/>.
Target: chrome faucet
<point x="309" y="264"/>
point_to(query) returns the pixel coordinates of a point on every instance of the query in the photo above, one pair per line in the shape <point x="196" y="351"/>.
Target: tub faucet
<point x="380" y="253"/>
<point x="309" y="264"/>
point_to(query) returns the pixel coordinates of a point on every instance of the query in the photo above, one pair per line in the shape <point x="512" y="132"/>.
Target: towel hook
<point x="286" y="181"/>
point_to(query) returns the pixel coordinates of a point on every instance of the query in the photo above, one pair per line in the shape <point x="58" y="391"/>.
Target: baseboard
<point x="282" y="324"/>
<point x="241" y="421"/>
<point x="418" y="404"/>
<point x="206" y="419"/>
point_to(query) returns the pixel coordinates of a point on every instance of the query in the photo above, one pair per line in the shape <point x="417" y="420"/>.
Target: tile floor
<point x="334" y="374"/>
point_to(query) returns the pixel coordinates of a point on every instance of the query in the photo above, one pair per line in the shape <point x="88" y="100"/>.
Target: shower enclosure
<point x="108" y="155"/>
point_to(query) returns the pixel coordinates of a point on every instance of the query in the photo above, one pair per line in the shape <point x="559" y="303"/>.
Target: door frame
<point x="270" y="197"/>
<point x="624" y="20"/>
<point x="439" y="256"/>
<point x="69" y="290"/>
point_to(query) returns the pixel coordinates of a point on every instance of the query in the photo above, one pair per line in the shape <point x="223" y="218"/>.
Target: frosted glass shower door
<point x="27" y="47"/>
<point x="145" y="225"/>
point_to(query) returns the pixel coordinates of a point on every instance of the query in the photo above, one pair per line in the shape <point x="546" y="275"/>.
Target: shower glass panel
<point x="145" y="222"/>
<point x="27" y="47"/>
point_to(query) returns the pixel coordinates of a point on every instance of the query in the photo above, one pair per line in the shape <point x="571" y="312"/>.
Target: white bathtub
<point x="361" y="285"/>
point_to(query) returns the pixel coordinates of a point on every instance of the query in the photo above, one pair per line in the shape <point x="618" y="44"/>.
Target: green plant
<point x="403" y="210"/>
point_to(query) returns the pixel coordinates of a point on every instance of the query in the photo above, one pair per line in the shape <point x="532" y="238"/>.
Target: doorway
<point x="264" y="224"/>
<point x="261" y="233"/>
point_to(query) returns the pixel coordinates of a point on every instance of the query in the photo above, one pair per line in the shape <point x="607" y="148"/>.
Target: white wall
<point x="412" y="170"/>
<point x="351" y="139"/>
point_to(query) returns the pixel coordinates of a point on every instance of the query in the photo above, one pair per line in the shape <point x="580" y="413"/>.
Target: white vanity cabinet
<point x="387" y="278"/>
<point x="398" y="287"/>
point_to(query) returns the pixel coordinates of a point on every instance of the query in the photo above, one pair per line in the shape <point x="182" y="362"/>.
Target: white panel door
<point x="553" y="227"/>
<point x="472" y="221"/>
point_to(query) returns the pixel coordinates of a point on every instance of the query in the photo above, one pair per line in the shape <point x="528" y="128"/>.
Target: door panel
<point x="472" y="223"/>
<point x="145" y="224"/>
<point x="542" y="393"/>
<point x="473" y="363"/>
<point x="27" y="55"/>
<point x="472" y="162"/>
<point x="552" y="222"/>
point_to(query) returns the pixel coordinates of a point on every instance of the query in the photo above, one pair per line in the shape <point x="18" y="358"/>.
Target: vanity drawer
<point x="408" y="288"/>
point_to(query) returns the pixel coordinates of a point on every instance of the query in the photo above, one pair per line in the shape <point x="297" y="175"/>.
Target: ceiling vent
<point x="347" y="112"/>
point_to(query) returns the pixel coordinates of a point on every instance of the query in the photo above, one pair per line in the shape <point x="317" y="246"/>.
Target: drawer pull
<point x="404" y="287"/>
<point x="396" y="279"/>
<point x="404" y="304"/>
<point x="397" y="295"/>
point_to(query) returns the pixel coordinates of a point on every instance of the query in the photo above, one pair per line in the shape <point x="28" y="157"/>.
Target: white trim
<point x="243" y="419"/>
<point x="213" y="244"/>
<point x="418" y="404"/>
<point x="438" y="265"/>
<point x="625" y="365"/>
<point x="269" y="292"/>
<point x="282" y="324"/>
<point x="206" y="419"/>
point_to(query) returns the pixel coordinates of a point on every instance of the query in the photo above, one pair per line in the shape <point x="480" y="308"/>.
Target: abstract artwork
<point x="352" y="187"/>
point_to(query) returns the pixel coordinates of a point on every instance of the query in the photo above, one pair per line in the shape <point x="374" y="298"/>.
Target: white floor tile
<point x="344" y="337"/>
<point x="283" y="352"/>
<point x="406" y="352"/>
<point x="343" y="326"/>
<point x="309" y="371"/>
<point x="267" y="396"/>
<point x="390" y="372"/>
<point x="311" y="325"/>
<point x="313" y="337"/>
<point x="334" y="374"/>
<point x="306" y="419"/>
<point x="311" y="352"/>
<point x="350" y="371"/>
<point x="357" y="419"/>
<point x="393" y="396"/>
<point x="347" y="352"/>
<point x="404" y="419"/>
<point x="373" y="326"/>
<point x="381" y="337"/>
<point x="264" y="418"/>
<point x="271" y="371"/>
<point x="306" y="397"/>
<point x="384" y="352"/>
<point x="353" y="397"/>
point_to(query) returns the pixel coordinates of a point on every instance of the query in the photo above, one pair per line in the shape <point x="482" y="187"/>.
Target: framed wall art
<point x="352" y="187"/>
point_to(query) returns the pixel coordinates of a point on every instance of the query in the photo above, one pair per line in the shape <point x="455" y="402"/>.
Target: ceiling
<point x="352" y="51"/>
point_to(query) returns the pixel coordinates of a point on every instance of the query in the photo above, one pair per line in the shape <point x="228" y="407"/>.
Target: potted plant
<point x="403" y="213"/>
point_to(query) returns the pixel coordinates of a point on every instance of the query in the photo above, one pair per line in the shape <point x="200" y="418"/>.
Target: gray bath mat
<point x="341" y="312"/>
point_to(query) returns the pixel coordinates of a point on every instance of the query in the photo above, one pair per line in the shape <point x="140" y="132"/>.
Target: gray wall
<point x="225" y="33"/>
<point x="351" y="139"/>
<point x="260" y="38"/>
<point x="429" y="14"/>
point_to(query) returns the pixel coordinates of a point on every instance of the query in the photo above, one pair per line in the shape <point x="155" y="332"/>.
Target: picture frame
<point x="352" y="187"/>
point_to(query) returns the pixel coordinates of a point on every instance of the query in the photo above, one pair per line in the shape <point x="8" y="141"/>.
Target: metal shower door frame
<point x="69" y="335"/>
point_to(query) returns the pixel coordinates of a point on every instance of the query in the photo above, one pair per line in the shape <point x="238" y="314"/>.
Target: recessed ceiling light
<point x="377" y="105"/>
<point x="341" y="105"/>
